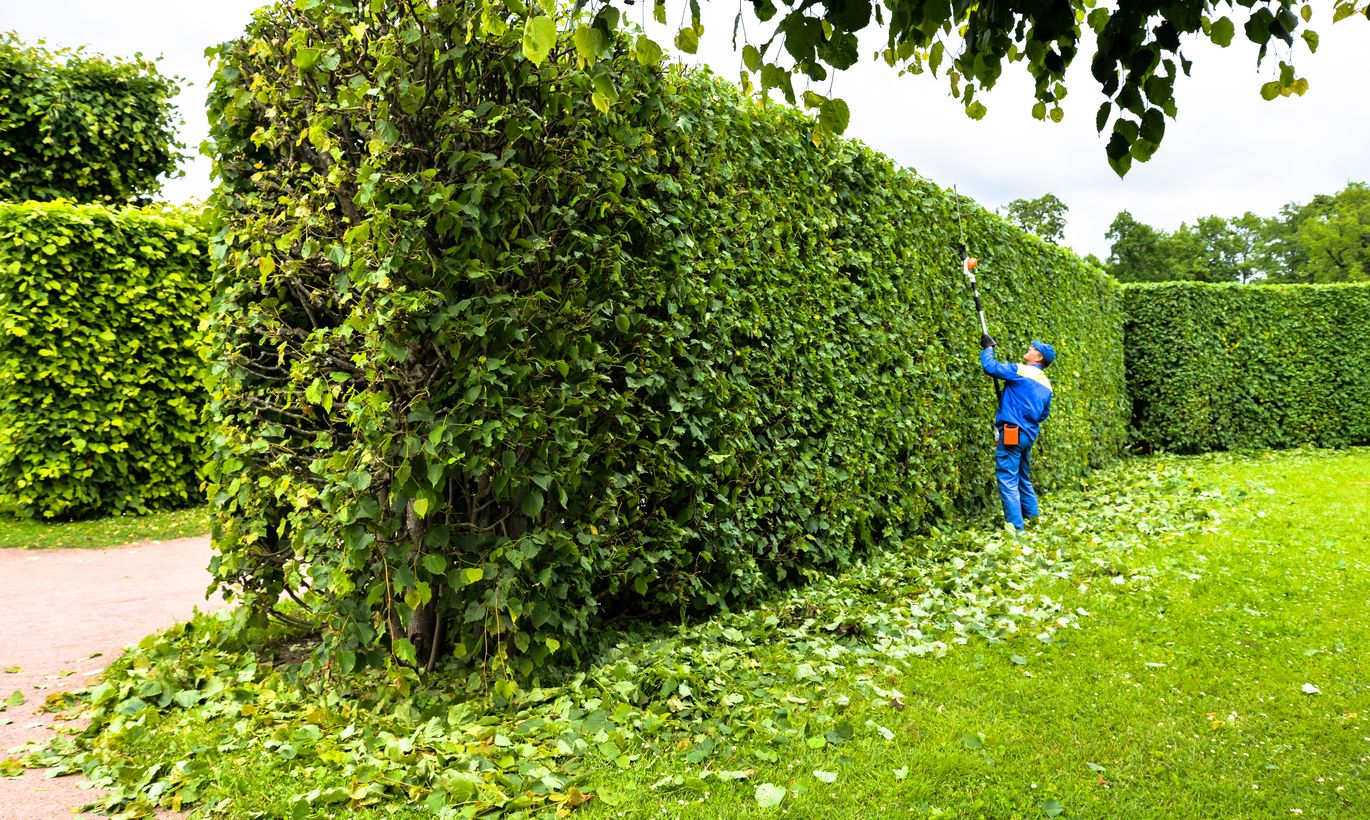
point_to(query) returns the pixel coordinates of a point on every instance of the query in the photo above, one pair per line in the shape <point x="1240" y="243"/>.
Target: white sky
<point x="1229" y="151"/>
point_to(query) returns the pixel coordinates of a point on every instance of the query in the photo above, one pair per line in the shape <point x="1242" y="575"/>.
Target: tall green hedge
<point x="1222" y="367"/>
<point x="84" y="128"/>
<point x="493" y="366"/>
<point x="101" y="381"/>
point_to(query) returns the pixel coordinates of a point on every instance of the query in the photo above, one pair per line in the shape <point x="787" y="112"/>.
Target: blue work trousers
<point x="1011" y="465"/>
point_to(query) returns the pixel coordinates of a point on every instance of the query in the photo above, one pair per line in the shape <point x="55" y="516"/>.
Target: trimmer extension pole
<point x="968" y="265"/>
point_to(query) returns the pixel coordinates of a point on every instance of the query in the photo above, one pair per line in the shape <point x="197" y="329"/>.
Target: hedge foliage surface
<point x="1224" y="367"/>
<point x="88" y="129"/>
<point x="101" y="382"/>
<point x="505" y="350"/>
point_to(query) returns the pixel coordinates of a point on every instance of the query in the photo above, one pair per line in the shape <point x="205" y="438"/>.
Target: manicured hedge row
<point x="84" y="128"/>
<point x="1221" y="367"/>
<point x="101" y="382"/>
<point x="493" y="367"/>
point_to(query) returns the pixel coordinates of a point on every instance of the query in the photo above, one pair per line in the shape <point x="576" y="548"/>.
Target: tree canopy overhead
<point x="1134" y="48"/>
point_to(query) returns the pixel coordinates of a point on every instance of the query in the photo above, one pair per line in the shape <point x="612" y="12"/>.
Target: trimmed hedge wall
<point x="1222" y="367"/>
<point x="89" y="129"/>
<point x="101" y="382"/>
<point x="493" y="367"/>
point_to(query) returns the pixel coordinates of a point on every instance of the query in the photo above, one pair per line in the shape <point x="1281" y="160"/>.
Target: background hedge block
<point x="1222" y="367"/>
<point x="101" y="382"/>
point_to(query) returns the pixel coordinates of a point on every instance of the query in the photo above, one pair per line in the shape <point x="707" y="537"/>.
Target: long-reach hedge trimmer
<point x="968" y="265"/>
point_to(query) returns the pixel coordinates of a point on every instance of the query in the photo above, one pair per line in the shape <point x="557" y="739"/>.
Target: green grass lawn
<point x="101" y="532"/>
<point x="1182" y="638"/>
<point x="1181" y="696"/>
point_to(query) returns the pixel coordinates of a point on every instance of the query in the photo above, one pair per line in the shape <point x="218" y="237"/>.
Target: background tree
<point x="1326" y="239"/>
<point x="1140" y="253"/>
<point x="1335" y="234"/>
<point x="1216" y="249"/>
<point x="85" y="128"/>
<point x="1044" y="216"/>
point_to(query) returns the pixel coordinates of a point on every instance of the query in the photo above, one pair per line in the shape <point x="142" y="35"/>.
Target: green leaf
<point x="687" y="40"/>
<point x="532" y="503"/>
<point x="1222" y="32"/>
<point x="16" y="699"/>
<point x="604" y="88"/>
<point x="751" y="58"/>
<point x="306" y="58"/>
<point x="833" y="117"/>
<point x="387" y="133"/>
<point x="1310" y="38"/>
<point x="1153" y="125"/>
<point x="647" y="51"/>
<point x="405" y="651"/>
<point x="590" y="42"/>
<point x="539" y="36"/>
<point x="470" y="575"/>
<point x="435" y="564"/>
<point x="421" y="506"/>
<point x="1271" y="90"/>
<point x="973" y="741"/>
<point x="1018" y="659"/>
<point x="769" y="795"/>
<point x="1052" y="807"/>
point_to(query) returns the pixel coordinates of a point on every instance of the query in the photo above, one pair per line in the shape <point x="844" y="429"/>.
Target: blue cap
<point x="1048" y="352"/>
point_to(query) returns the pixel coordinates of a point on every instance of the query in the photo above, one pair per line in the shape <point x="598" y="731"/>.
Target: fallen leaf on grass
<point x="769" y="795"/>
<point x="825" y="777"/>
<point x="1052" y="807"/>
<point x="1310" y="689"/>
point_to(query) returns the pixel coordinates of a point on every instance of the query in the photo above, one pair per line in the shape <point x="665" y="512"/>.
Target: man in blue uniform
<point x="1025" y="405"/>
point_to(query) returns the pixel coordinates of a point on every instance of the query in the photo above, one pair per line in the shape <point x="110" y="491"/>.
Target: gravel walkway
<point x="66" y="614"/>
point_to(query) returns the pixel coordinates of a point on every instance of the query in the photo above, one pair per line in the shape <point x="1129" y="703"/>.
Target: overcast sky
<point x="1229" y="151"/>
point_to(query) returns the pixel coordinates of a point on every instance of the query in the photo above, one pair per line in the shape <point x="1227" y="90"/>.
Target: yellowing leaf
<point x="539" y="36"/>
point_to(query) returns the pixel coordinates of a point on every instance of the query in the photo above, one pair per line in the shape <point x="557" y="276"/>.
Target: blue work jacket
<point x="1027" y="395"/>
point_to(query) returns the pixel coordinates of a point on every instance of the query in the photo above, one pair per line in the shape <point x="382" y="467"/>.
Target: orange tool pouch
<point x="1010" y="435"/>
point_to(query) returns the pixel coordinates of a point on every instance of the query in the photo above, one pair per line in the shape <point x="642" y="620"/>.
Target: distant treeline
<point x="1324" y="240"/>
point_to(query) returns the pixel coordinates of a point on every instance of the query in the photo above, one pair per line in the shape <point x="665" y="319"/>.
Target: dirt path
<point x="66" y="614"/>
